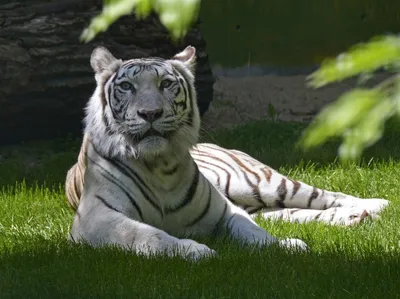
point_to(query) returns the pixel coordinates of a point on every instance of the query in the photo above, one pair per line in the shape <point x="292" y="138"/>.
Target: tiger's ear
<point x="101" y="59"/>
<point x="187" y="57"/>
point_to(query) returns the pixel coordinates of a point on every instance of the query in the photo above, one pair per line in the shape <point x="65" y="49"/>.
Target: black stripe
<point x="313" y="196"/>
<point x="110" y="90"/>
<point x="114" y="180"/>
<point x="178" y="91"/>
<point x="207" y="155"/>
<point x="189" y="194"/>
<point x="106" y="203"/>
<point x="168" y="73"/>
<point x="333" y="203"/>
<point x="122" y="75"/>
<point x="296" y="187"/>
<point x="254" y="188"/>
<point x="242" y="165"/>
<point x="104" y="117"/>
<point x="119" y="184"/>
<point x="129" y="65"/>
<point x="137" y="71"/>
<point x="255" y="191"/>
<point x="220" y="220"/>
<point x="332" y="216"/>
<point x="103" y="99"/>
<point x="189" y="90"/>
<point x="282" y="191"/>
<point x="118" y="107"/>
<point x="131" y="174"/>
<point x="213" y="171"/>
<point x="267" y="173"/>
<point x="105" y="91"/>
<point x="184" y="103"/>
<point x="136" y="179"/>
<point x="252" y="210"/>
<point x="228" y="178"/>
<point x="109" y="131"/>
<point x="229" y="220"/>
<point x="205" y="211"/>
<point x="243" y="169"/>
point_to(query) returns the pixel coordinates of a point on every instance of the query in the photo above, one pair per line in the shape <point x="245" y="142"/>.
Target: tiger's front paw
<point x="191" y="250"/>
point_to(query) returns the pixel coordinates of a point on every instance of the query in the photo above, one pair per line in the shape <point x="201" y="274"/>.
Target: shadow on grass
<point x="47" y="162"/>
<point x="274" y="143"/>
<point x="39" y="268"/>
<point x="38" y="163"/>
<point x="50" y="270"/>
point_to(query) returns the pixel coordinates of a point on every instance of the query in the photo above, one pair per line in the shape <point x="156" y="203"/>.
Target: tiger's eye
<point x="165" y="83"/>
<point x="126" y="86"/>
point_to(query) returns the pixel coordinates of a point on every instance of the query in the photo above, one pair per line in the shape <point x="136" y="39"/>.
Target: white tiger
<point x="142" y="183"/>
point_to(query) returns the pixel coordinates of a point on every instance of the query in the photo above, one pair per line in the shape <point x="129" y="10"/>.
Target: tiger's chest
<point x="174" y="210"/>
<point x="164" y="198"/>
<point x="170" y="198"/>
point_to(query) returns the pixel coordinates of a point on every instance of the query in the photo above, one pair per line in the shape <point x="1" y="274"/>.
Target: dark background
<point x="45" y="77"/>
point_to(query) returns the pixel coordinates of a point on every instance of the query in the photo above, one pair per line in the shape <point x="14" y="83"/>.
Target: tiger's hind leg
<point x="333" y="216"/>
<point x="314" y="204"/>
<point x="254" y="186"/>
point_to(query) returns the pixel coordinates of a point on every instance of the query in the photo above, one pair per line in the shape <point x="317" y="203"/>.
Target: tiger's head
<point x="144" y="107"/>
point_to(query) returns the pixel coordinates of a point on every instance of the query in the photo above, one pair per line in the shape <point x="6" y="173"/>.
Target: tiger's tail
<point x="74" y="182"/>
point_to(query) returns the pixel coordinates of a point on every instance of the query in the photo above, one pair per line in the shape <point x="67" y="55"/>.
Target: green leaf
<point x="363" y="78"/>
<point x="143" y="9"/>
<point x="366" y="132"/>
<point x="359" y="115"/>
<point x="348" y="110"/>
<point x="175" y="15"/>
<point x="112" y="10"/>
<point x="362" y="58"/>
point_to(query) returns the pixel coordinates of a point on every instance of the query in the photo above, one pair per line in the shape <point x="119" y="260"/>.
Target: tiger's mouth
<point x="152" y="133"/>
<point x="148" y="134"/>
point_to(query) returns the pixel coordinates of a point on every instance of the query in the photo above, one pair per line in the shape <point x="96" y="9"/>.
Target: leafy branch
<point x="175" y="15"/>
<point x="359" y="115"/>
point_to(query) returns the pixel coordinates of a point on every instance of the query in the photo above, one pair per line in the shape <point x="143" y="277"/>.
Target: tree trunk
<point x="45" y="77"/>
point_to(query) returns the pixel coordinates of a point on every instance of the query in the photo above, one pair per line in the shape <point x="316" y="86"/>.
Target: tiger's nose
<point x="150" y="115"/>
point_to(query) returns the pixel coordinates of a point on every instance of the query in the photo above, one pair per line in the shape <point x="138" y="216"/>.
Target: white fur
<point x="132" y="203"/>
<point x="334" y="208"/>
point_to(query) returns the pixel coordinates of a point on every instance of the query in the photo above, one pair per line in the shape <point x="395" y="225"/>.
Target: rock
<point x="45" y="75"/>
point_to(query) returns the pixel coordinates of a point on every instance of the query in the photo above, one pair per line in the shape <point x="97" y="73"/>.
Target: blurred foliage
<point x="359" y="115"/>
<point x="175" y="15"/>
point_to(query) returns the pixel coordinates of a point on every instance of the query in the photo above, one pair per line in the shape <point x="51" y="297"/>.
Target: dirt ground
<point x="240" y="100"/>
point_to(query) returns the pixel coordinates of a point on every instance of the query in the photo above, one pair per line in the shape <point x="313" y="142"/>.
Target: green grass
<point x="358" y="262"/>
